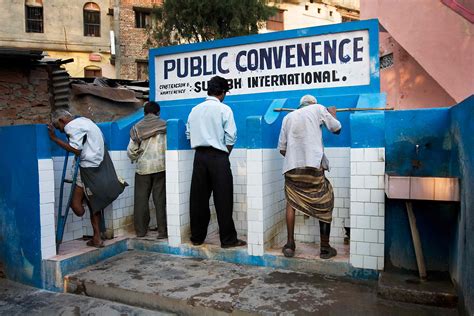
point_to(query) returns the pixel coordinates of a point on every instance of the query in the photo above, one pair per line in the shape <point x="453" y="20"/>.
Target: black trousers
<point x="212" y="174"/>
<point x="144" y="185"/>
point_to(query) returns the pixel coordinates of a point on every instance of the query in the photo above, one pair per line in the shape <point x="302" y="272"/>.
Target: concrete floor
<point x="206" y="287"/>
<point x="17" y="299"/>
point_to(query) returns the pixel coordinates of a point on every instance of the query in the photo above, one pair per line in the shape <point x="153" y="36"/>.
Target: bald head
<point x="307" y="100"/>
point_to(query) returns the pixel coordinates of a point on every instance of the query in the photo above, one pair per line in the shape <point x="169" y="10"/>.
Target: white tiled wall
<point x="179" y="166"/>
<point x="273" y="197"/>
<point x="46" y="189"/>
<point x="255" y="203"/>
<point x="118" y="215"/>
<point x="307" y="228"/>
<point x="238" y="162"/>
<point x="367" y="208"/>
<point x="178" y="183"/>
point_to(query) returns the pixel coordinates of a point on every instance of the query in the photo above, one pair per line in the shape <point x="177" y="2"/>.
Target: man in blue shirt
<point x="212" y="131"/>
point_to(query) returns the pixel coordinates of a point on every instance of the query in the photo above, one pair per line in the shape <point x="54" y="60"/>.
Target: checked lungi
<point x="307" y="190"/>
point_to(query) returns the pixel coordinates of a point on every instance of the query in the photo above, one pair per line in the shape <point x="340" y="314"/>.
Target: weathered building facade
<point x="64" y="29"/>
<point x="134" y="17"/>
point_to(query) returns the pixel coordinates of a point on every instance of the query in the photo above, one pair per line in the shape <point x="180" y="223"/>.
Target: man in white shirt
<point x="306" y="188"/>
<point x="97" y="183"/>
<point x="147" y="147"/>
<point x="212" y="131"/>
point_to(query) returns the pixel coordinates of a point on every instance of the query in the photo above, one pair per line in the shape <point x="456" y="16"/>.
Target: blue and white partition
<point x="336" y="63"/>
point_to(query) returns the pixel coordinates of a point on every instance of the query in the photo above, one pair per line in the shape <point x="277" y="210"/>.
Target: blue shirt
<point x="211" y="124"/>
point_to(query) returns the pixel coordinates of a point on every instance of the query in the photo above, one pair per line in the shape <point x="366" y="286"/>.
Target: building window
<point x="142" y="70"/>
<point x="34" y="16"/>
<point x="330" y="13"/>
<point x="319" y="10"/>
<point x="276" y="22"/>
<point x="91" y="19"/>
<point x="142" y="17"/>
<point x="92" y="72"/>
<point x="306" y="7"/>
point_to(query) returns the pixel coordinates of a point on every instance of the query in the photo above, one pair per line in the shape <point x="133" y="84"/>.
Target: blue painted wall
<point x="462" y="263"/>
<point x="436" y="221"/>
<point x="20" y="235"/>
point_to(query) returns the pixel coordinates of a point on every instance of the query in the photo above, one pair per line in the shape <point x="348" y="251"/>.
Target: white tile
<point x="357" y="182"/>
<point x="353" y="247"/>
<point x="48" y="252"/>
<point x="381" y="236"/>
<point x="46" y="219"/>
<point x="363" y="168"/>
<point x="254" y="155"/>
<point x="371" y="154"/>
<point x="45" y="164"/>
<point x="371" y="182"/>
<point x="47" y="208"/>
<point x="362" y="222"/>
<point x="171" y="155"/>
<point x="371" y="209"/>
<point x="357" y="208"/>
<point x="377" y="222"/>
<point x="257" y="250"/>
<point x="377" y="196"/>
<point x="357" y="261"/>
<point x="376" y="249"/>
<point x="380" y="263"/>
<point x="363" y="248"/>
<point x="363" y="195"/>
<point x="370" y="262"/>
<point x="371" y="235"/>
<point x="357" y="234"/>
<point x="377" y="168"/>
<point x="357" y="154"/>
<point x="381" y="154"/>
<point x="47" y="197"/>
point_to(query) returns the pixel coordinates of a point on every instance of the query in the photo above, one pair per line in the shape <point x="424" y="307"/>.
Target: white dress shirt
<point x="92" y="150"/>
<point x="211" y="124"/>
<point x="302" y="139"/>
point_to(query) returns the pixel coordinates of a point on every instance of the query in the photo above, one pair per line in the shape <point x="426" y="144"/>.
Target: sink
<point x="422" y="188"/>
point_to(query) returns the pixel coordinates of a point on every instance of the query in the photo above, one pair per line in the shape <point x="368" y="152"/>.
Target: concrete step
<point x="193" y="286"/>
<point x="406" y="287"/>
<point x="18" y="299"/>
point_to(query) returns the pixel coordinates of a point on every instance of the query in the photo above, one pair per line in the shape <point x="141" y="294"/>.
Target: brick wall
<point x="131" y="39"/>
<point x="24" y="96"/>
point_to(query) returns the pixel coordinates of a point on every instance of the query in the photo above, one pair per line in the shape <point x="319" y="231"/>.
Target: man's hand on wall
<point x="332" y="111"/>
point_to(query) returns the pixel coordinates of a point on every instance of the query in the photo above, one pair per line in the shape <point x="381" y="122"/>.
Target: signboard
<point x="330" y="60"/>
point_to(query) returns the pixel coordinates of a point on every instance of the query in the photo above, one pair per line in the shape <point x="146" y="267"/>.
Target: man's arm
<point x="282" y="138"/>
<point x="329" y="119"/>
<point x="60" y="142"/>
<point x="230" y="131"/>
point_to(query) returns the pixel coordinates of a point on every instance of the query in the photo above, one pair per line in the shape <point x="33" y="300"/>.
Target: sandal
<point x="90" y="243"/>
<point x="289" y="250"/>
<point x="327" y="252"/>
<point x="238" y="243"/>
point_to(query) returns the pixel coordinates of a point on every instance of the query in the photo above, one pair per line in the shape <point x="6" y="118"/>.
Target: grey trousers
<point x="144" y="185"/>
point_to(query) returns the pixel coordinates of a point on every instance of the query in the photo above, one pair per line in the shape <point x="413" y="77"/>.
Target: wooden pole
<point x="339" y="110"/>
<point x="420" y="261"/>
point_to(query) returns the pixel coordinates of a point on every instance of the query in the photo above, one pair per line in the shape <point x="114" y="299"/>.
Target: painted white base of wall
<point x="259" y="201"/>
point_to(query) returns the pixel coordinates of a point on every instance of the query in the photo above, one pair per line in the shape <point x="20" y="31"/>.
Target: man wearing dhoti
<point x="306" y="188"/>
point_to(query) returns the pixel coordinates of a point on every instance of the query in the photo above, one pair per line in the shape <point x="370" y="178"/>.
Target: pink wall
<point x="406" y="83"/>
<point x="439" y="40"/>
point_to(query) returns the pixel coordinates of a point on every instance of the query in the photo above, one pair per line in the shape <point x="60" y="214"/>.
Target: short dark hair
<point x="151" y="107"/>
<point x="217" y="86"/>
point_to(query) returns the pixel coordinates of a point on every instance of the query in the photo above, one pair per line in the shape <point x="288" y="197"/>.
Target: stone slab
<point x="18" y="299"/>
<point x="193" y="286"/>
<point x="405" y="287"/>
